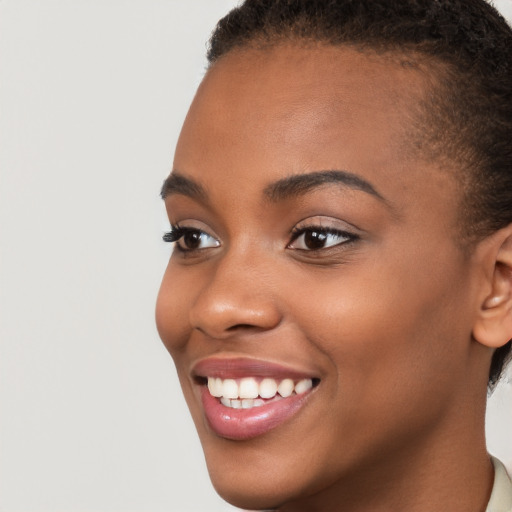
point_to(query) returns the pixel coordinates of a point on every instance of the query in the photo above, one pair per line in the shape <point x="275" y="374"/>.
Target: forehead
<point x="262" y="114"/>
<point x="286" y="94"/>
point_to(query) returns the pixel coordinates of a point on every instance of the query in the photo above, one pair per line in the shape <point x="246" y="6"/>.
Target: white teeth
<point x="268" y="388"/>
<point x="286" y="388"/>
<point x="247" y="403"/>
<point x="303" y="386"/>
<point x="215" y="387"/>
<point x="249" y="388"/>
<point x="236" y="404"/>
<point x="247" y="393"/>
<point x="229" y="388"/>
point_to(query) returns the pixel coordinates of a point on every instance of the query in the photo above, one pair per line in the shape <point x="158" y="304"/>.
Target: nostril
<point x="241" y="327"/>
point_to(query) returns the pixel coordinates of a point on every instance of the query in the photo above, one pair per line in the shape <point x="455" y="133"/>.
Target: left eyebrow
<point x="176" y="183"/>
<point x="299" y="184"/>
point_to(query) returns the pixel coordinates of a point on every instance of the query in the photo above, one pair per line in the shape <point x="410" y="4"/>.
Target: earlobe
<point x="493" y="327"/>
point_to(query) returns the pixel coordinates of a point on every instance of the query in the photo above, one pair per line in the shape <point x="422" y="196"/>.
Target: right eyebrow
<point x="299" y="184"/>
<point x="176" y="183"/>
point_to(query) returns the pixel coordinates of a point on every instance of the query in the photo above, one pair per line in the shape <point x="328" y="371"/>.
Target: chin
<point x="245" y="483"/>
<point x="253" y="477"/>
<point x="246" y="493"/>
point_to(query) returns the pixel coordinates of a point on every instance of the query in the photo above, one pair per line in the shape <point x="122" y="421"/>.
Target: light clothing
<point x="501" y="496"/>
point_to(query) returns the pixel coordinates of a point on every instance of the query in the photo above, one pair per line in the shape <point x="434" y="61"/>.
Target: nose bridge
<point x="239" y="295"/>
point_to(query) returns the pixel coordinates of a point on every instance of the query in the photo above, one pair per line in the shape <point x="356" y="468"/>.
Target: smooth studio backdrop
<point x="92" y="97"/>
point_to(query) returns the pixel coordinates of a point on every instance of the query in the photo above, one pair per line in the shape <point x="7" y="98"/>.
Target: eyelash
<point x="178" y="232"/>
<point x="174" y="234"/>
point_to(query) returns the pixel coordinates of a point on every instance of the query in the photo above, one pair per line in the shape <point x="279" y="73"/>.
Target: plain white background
<point x="92" y="97"/>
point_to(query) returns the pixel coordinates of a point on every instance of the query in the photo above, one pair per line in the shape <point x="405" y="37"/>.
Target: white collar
<point x="501" y="496"/>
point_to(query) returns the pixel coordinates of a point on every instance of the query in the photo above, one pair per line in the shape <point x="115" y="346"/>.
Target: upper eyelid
<point x="185" y="228"/>
<point x="194" y="225"/>
<point x="327" y="223"/>
<point x="177" y="229"/>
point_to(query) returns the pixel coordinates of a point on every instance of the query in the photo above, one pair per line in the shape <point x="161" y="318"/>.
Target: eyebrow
<point x="300" y="184"/>
<point x="176" y="183"/>
<point x="286" y="188"/>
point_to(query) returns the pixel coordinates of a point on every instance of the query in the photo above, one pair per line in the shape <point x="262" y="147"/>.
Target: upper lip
<point x="240" y="367"/>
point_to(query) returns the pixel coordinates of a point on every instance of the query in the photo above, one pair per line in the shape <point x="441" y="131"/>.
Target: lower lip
<point x="243" y="424"/>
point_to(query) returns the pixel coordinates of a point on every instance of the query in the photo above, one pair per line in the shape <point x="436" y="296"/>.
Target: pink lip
<point x="244" y="424"/>
<point x="239" y="367"/>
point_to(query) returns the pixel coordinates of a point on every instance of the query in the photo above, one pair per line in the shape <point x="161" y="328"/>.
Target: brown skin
<point x="387" y="322"/>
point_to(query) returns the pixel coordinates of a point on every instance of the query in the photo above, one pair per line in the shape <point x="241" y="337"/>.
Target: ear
<point x="493" y="327"/>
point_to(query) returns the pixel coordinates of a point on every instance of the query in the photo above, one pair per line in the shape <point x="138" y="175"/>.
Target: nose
<point x="238" y="297"/>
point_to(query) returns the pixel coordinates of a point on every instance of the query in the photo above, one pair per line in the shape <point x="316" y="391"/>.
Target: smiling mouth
<point x="243" y="398"/>
<point x="251" y="392"/>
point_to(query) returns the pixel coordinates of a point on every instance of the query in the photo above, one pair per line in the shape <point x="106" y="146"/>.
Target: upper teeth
<point x="249" y="387"/>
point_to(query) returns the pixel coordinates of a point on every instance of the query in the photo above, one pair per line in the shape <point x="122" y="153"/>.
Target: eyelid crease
<point x="325" y="222"/>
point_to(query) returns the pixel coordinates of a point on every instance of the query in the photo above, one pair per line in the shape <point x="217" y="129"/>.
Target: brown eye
<point x="315" y="239"/>
<point x="195" y="240"/>
<point x="190" y="239"/>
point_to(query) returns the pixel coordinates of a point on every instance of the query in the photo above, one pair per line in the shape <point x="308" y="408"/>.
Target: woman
<point x="340" y="291"/>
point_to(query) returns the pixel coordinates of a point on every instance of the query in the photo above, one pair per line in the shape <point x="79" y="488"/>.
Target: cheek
<point x="396" y="335"/>
<point x="173" y="310"/>
<point x="173" y="305"/>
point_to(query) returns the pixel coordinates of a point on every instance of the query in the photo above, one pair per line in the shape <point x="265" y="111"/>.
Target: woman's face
<point x="314" y="245"/>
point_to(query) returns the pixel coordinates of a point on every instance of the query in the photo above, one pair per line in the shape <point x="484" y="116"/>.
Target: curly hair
<point x="468" y="114"/>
